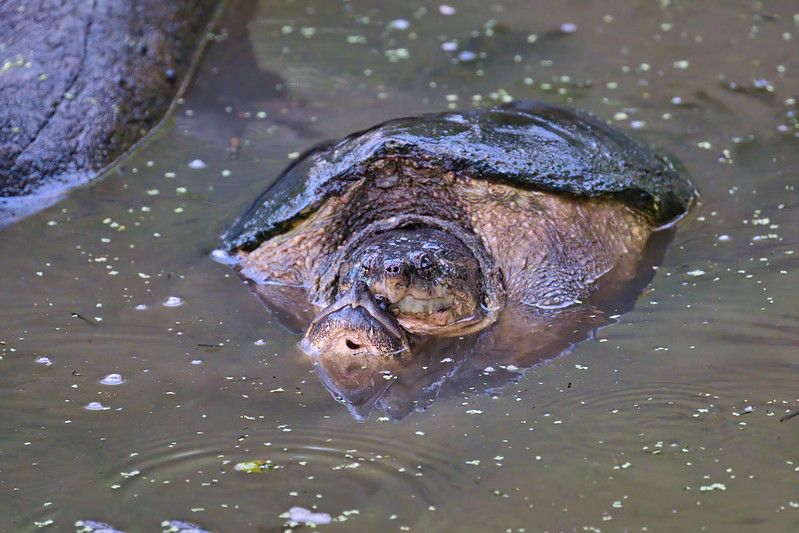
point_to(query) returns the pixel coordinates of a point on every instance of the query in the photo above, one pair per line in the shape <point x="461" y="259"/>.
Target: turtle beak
<point x="355" y="325"/>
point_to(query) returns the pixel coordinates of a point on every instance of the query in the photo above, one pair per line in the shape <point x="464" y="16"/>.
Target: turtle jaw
<point x="441" y="310"/>
<point x="420" y="312"/>
<point x="355" y="325"/>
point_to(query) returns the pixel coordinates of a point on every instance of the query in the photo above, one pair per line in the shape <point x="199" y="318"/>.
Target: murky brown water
<point x="668" y="420"/>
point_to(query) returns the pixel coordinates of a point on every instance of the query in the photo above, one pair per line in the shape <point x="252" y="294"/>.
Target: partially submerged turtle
<point x="428" y="225"/>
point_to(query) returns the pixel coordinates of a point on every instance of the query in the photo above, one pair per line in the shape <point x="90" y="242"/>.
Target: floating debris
<point x="178" y="526"/>
<point x="173" y="301"/>
<point x="113" y="379"/>
<point x="81" y="317"/>
<point x="789" y="416"/>
<point x="399" y="24"/>
<point x="301" y="514"/>
<point x="256" y="467"/>
<point x="91" y="526"/>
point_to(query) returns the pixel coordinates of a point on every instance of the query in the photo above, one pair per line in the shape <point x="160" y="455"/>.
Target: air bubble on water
<point x="95" y="406"/>
<point x="303" y="515"/>
<point x="259" y="342"/>
<point x="94" y="526"/>
<point x="141" y="307"/>
<point x="113" y="379"/>
<point x="197" y="164"/>
<point x="173" y="301"/>
<point x="179" y="526"/>
<point x="221" y="256"/>
<point x="399" y="24"/>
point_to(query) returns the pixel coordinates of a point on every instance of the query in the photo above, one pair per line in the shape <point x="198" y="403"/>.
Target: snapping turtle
<point x="429" y="225"/>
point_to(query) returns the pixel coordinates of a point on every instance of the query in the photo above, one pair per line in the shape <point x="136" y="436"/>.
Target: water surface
<point x="673" y="418"/>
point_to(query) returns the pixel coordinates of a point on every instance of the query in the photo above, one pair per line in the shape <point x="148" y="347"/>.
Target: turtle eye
<point x="382" y="301"/>
<point x="422" y="260"/>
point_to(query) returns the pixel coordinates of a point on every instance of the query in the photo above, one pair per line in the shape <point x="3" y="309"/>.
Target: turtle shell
<point x="528" y="145"/>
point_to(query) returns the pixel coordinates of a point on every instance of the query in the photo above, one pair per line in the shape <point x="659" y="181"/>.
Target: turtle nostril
<point x="393" y="269"/>
<point x="352" y="345"/>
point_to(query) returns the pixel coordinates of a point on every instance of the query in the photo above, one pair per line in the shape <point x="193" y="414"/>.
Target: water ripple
<point x="323" y="466"/>
<point x="710" y="411"/>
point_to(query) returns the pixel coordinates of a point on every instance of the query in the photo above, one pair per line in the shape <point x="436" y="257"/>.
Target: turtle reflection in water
<point x="427" y="245"/>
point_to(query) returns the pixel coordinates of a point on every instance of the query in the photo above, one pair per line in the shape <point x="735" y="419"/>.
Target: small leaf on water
<point x="256" y="467"/>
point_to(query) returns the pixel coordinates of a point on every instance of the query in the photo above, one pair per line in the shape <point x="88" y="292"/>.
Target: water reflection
<point x="224" y="113"/>
<point x="481" y="362"/>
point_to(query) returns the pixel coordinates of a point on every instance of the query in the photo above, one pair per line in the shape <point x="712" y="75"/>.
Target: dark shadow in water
<point x="231" y="90"/>
<point x="483" y="362"/>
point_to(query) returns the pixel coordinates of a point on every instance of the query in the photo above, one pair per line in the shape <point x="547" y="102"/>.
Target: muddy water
<point x="675" y="418"/>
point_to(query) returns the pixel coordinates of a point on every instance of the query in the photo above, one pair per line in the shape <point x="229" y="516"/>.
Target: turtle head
<point x="426" y="278"/>
<point x="418" y="280"/>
